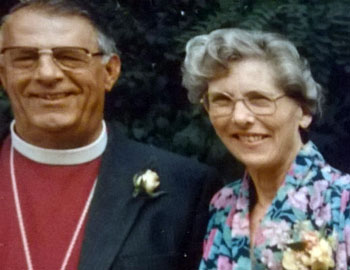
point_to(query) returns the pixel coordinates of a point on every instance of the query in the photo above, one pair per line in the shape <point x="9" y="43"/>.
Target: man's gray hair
<point x="69" y="7"/>
<point x="209" y="56"/>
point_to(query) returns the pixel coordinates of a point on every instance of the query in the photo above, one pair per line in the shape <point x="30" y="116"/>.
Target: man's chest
<point x="40" y="215"/>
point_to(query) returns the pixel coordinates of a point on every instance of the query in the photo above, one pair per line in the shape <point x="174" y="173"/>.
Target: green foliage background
<point x="150" y="102"/>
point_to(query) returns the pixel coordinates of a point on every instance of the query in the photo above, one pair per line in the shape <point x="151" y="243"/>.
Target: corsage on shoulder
<point x="312" y="251"/>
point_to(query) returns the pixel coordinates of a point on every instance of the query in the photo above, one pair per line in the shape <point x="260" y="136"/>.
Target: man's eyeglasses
<point x="67" y="58"/>
<point x="222" y="104"/>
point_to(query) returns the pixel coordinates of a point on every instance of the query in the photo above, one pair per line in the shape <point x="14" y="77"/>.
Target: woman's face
<point x="258" y="141"/>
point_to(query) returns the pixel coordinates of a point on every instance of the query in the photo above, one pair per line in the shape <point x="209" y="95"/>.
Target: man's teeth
<point x="53" y="96"/>
<point x="251" y="138"/>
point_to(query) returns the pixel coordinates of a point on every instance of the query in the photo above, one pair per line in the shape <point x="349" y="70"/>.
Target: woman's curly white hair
<point x="209" y="56"/>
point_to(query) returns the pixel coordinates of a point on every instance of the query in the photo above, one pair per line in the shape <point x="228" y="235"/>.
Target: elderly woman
<point x="291" y="209"/>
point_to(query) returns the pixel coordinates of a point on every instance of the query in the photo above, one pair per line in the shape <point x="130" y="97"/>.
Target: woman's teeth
<point x="250" y="138"/>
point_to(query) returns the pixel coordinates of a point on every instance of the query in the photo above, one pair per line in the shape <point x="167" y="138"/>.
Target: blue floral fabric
<point x="312" y="190"/>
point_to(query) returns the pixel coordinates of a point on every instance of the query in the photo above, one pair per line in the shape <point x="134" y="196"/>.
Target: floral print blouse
<point x="313" y="191"/>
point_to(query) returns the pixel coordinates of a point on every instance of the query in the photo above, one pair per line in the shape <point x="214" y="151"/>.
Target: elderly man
<point x="74" y="193"/>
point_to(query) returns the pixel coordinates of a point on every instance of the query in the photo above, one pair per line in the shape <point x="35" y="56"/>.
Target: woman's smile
<point x="250" y="138"/>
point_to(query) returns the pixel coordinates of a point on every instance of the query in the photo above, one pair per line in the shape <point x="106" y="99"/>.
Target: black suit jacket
<point x="142" y="233"/>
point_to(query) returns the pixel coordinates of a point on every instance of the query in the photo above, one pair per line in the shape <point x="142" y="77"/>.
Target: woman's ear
<point x="305" y="120"/>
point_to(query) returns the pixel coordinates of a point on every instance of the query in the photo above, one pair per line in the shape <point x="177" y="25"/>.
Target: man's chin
<point x="55" y="124"/>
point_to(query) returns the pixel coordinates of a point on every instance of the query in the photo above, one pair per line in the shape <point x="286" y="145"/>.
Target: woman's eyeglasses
<point x="222" y="104"/>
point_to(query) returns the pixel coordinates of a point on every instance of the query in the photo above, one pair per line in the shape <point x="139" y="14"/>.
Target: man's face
<point x="49" y="101"/>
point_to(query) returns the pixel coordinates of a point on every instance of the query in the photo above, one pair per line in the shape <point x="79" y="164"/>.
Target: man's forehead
<point x="38" y="23"/>
<point x="45" y="12"/>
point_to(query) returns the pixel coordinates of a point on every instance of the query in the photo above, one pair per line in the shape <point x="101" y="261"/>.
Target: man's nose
<point x="241" y="114"/>
<point x="47" y="71"/>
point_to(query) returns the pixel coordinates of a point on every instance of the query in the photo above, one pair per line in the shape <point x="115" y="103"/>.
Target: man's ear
<point x="112" y="68"/>
<point x="2" y="70"/>
<point x="2" y="64"/>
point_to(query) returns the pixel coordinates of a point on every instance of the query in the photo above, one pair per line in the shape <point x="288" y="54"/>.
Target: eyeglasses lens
<point x="71" y="57"/>
<point x="67" y="58"/>
<point x="23" y="58"/>
<point x="223" y="105"/>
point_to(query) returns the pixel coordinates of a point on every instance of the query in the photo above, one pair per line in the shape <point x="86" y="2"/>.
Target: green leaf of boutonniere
<point x="297" y="246"/>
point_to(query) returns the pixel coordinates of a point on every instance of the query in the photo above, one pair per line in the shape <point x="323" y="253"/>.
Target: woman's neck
<point x="268" y="180"/>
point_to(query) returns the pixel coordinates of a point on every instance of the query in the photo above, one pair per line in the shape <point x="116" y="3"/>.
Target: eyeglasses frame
<point x="205" y="102"/>
<point x="51" y="51"/>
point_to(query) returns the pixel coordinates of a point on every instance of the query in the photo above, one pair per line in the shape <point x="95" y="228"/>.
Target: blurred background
<point x="151" y="105"/>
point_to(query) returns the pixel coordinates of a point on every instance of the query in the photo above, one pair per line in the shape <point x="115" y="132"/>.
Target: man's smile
<point x="51" y="96"/>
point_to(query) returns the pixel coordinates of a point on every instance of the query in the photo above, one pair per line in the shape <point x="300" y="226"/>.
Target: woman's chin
<point x="256" y="159"/>
<point x="257" y="163"/>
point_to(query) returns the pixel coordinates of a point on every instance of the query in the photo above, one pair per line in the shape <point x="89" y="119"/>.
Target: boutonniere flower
<point x="313" y="251"/>
<point x="146" y="183"/>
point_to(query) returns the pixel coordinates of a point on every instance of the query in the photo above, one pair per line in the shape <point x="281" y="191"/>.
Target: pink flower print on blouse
<point x="345" y="180"/>
<point x="223" y="198"/>
<point x="224" y="263"/>
<point x="259" y="238"/>
<point x="335" y="176"/>
<point x="291" y="171"/>
<point x="347" y="236"/>
<point x="323" y="215"/>
<point x="208" y="244"/>
<point x="268" y="259"/>
<point x="278" y="233"/>
<point x="341" y="257"/>
<point x="245" y="182"/>
<point x="298" y="198"/>
<point x="317" y="199"/>
<point x="344" y="200"/>
<point x="240" y="225"/>
<point x="242" y="203"/>
<point x="229" y="220"/>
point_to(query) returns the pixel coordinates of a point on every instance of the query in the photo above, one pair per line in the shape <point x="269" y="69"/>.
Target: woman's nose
<point x="241" y="115"/>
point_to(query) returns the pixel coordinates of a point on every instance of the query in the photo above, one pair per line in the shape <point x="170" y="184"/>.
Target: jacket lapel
<point x="5" y="119"/>
<point x="113" y="210"/>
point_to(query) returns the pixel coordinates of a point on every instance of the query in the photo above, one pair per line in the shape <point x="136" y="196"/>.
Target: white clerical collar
<point x="58" y="156"/>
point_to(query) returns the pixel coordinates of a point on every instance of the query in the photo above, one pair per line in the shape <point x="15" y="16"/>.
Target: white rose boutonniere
<point x="146" y="183"/>
<point x="314" y="251"/>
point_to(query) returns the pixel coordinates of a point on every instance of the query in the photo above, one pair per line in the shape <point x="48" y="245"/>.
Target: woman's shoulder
<point x="334" y="175"/>
<point x="311" y="163"/>
<point x="336" y="179"/>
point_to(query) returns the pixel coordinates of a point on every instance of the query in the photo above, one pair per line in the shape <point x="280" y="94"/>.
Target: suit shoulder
<point x="178" y="164"/>
<point x="154" y="154"/>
